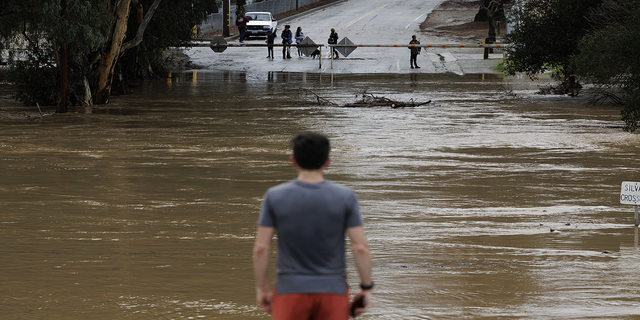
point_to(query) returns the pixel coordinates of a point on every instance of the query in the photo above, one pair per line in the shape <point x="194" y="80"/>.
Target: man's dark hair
<point x="310" y="149"/>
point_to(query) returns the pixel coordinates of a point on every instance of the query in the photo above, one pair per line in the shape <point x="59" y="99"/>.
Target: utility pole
<point x="225" y="18"/>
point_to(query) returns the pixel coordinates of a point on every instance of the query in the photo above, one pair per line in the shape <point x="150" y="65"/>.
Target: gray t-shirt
<point x="311" y="220"/>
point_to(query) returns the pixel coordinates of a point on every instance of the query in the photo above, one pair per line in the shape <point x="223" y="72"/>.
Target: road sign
<point x="630" y="193"/>
<point x="307" y="46"/>
<point x="346" y="51"/>
<point x="218" y="44"/>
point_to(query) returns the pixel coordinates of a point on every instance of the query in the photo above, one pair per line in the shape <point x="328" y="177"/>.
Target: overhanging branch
<point x="139" y="9"/>
<point x="138" y="39"/>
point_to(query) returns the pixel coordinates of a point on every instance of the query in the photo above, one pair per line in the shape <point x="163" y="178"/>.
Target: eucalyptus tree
<point x="59" y="46"/>
<point x="546" y="34"/>
<point x="596" y="40"/>
<point x="492" y="11"/>
<point x="609" y="55"/>
<point x="37" y="36"/>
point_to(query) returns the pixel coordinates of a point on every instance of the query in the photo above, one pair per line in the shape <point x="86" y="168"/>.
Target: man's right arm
<point x="362" y="258"/>
<point x="261" y="266"/>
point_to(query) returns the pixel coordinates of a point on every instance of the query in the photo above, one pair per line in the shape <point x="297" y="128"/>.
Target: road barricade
<point x="345" y="46"/>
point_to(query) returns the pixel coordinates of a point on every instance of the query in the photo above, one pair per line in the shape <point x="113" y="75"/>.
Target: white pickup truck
<point x="259" y="23"/>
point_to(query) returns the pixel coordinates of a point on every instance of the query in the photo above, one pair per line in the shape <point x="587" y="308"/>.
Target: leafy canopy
<point x="546" y="35"/>
<point x="33" y="33"/>
<point x="609" y="54"/>
<point x="596" y="40"/>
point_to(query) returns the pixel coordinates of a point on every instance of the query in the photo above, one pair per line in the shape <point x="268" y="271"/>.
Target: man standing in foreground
<point x="311" y="216"/>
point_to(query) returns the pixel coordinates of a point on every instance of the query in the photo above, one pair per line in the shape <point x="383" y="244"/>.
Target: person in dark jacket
<point x="271" y="36"/>
<point x="333" y="39"/>
<point x="415" y="51"/>
<point x="241" y="22"/>
<point x="287" y="39"/>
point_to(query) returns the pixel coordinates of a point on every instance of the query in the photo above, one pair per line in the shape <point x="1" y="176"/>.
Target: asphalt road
<point x="362" y="22"/>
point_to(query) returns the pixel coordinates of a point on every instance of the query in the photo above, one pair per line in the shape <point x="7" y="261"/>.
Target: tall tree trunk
<point x="142" y="26"/>
<point x="64" y="80"/>
<point x="111" y="53"/>
<point x="87" y="100"/>
<point x="492" y="30"/>
<point x="64" y="75"/>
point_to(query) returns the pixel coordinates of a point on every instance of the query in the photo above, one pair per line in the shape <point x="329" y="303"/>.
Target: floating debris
<point x="369" y="101"/>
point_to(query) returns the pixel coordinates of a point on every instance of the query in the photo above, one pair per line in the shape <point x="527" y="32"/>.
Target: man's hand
<point x="362" y="259"/>
<point x="367" y="301"/>
<point x="264" y="300"/>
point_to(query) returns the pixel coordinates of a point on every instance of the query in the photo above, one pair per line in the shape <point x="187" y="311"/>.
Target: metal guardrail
<point x="429" y="45"/>
<point x="443" y="45"/>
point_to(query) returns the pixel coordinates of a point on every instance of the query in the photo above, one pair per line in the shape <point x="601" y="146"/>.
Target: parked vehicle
<point x="259" y="23"/>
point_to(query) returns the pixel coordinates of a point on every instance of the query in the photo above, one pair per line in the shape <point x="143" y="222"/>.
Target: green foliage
<point x="598" y="40"/>
<point x="546" y="35"/>
<point x="240" y="7"/>
<point x="173" y="22"/>
<point x="609" y="55"/>
<point x="172" y="26"/>
<point x="631" y="110"/>
<point x="33" y="32"/>
<point x="36" y="82"/>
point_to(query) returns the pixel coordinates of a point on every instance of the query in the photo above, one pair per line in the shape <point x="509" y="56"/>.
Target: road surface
<point x="363" y="22"/>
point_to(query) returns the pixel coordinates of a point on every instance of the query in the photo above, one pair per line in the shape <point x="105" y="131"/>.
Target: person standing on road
<point x="271" y="37"/>
<point x="333" y="39"/>
<point x="415" y="51"/>
<point x="311" y="216"/>
<point x="241" y="22"/>
<point x="287" y="39"/>
<point x="299" y="38"/>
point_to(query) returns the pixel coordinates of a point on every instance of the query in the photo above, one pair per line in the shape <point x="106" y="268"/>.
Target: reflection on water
<point x="490" y="202"/>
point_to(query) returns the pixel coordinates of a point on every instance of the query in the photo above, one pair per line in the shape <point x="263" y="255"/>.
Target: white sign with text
<point x="630" y="193"/>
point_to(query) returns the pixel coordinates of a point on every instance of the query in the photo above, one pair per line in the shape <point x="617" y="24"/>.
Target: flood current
<point x="491" y="202"/>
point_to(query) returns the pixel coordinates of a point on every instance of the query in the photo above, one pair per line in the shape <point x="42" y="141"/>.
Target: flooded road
<point x="490" y="202"/>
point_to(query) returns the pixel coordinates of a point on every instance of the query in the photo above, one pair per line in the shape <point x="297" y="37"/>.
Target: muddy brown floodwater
<point x="489" y="203"/>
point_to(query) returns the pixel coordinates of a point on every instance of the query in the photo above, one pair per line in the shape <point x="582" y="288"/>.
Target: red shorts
<point x="304" y="306"/>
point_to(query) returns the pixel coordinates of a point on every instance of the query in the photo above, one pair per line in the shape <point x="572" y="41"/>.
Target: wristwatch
<point x="369" y="287"/>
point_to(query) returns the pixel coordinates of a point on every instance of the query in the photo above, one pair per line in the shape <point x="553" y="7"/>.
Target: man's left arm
<point x="362" y="257"/>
